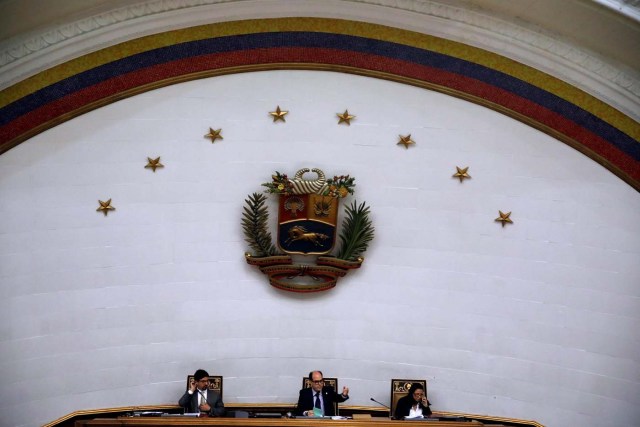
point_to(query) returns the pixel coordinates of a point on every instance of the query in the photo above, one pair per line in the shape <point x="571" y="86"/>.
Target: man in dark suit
<point x="198" y="398"/>
<point x="319" y="399"/>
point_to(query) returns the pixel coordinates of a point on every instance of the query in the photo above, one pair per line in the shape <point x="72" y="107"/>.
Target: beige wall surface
<point x="536" y="320"/>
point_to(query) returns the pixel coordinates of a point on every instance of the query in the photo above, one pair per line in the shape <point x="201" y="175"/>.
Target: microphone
<point x="380" y="403"/>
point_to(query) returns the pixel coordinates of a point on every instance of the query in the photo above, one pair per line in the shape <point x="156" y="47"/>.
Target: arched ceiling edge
<point x="567" y="113"/>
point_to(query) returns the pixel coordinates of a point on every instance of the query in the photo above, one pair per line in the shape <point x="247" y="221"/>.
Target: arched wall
<point x="536" y="320"/>
<point x="567" y="113"/>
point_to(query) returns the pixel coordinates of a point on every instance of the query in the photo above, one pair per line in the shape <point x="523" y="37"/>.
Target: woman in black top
<point x="416" y="400"/>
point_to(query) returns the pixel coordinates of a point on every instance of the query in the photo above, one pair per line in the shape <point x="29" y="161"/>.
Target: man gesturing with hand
<point x="199" y="399"/>
<point x="319" y="399"/>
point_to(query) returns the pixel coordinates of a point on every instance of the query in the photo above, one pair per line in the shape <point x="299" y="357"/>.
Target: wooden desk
<point x="263" y="422"/>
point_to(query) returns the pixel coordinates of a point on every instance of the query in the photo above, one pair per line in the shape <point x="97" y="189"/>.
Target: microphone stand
<point x="382" y="404"/>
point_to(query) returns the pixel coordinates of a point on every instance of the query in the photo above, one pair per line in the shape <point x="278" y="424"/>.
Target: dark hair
<point x="414" y="387"/>
<point x="311" y="375"/>
<point x="200" y="374"/>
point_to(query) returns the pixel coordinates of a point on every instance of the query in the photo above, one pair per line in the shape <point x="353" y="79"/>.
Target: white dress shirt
<point x="415" y="411"/>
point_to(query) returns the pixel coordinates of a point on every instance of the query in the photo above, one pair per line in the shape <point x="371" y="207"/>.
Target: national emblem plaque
<point x="307" y="226"/>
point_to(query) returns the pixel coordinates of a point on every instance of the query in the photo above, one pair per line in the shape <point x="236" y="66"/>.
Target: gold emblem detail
<point x="406" y="141"/>
<point x="294" y="205"/>
<point x="504" y="218"/>
<point x="461" y="173"/>
<point x="105" y="207"/>
<point x="345" y="117"/>
<point x="322" y="208"/>
<point x="153" y="164"/>
<point x="278" y="114"/>
<point x="214" y="135"/>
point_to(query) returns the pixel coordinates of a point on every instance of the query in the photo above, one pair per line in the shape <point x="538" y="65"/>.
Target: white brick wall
<point x="537" y="320"/>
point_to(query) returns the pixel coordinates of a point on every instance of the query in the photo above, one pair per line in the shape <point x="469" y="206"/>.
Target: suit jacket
<point x="329" y="396"/>
<point x="404" y="406"/>
<point x="190" y="403"/>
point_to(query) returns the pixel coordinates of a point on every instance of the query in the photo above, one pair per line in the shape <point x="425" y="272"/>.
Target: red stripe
<point x="168" y="70"/>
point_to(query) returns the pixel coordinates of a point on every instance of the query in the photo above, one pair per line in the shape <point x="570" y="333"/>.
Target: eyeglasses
<point x="317" y="381"/>
<point x="204" y="380"/>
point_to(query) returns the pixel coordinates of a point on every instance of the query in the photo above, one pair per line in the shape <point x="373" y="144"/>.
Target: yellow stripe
<point x="334" y="26"/>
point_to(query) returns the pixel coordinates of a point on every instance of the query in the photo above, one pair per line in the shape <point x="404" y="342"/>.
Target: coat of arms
<point x="307" y="226"/>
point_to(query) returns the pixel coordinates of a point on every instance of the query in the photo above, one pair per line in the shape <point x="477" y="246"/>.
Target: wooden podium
<point x="264" y="422"/>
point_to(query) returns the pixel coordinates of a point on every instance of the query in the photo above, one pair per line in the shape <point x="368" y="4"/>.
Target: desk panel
<point x="263" y="422"/>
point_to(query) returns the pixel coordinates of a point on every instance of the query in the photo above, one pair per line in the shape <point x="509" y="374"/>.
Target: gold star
<point x="462" y="173"/>
<point x="154" y="163"/>
<point x="105" y="207"/>
<point x="405" y="140"/>
<point x="345" y="117"/>
<point x="214" y="134"/>
<point x="278" y="114"/>
<point x="504" y="218"/>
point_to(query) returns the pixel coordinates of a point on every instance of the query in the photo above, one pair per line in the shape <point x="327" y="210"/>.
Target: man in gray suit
<point x="198" y="398"/>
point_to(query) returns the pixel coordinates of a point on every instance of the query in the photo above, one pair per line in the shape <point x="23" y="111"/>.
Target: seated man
<point x="318" y="399"/>
<point x="198" y="398"/>
<point x="414" y="404"/>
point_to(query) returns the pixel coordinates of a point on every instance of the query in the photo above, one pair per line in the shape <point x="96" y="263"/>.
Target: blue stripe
<point x="323" y="40"/>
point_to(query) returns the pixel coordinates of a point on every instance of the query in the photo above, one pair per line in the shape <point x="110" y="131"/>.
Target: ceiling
<point x="608" y="28"/>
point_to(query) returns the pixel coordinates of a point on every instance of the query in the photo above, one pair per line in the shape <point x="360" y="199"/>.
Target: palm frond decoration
<point x="254" y="223"/>
<point x="357" y="232"/>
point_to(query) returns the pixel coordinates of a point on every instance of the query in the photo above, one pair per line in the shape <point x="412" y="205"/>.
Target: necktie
<point x="317" y="404"/>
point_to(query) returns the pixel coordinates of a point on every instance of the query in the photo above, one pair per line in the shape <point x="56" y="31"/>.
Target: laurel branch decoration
<point x="357" y="232"/>
<point x="254" y="224"/>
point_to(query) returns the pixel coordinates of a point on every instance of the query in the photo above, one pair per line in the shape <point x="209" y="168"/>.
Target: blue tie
<point x="317" y="404"/>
